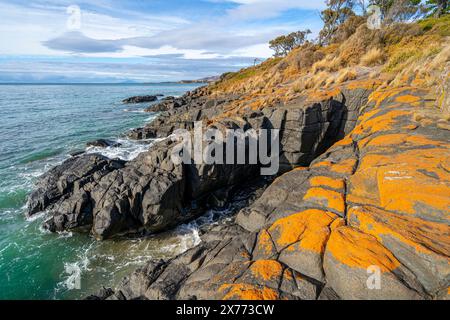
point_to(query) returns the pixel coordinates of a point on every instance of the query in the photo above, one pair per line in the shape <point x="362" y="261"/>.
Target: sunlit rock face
<point x="376" y="203"/>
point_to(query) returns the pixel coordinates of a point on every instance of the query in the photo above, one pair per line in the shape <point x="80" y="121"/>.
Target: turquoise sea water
<point x="40" y="126"/>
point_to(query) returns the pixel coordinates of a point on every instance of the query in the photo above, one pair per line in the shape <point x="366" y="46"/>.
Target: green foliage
<point x="438" y="7"/>
<point x="397" y="61"/>
<point x="284" y="44"/>
<point x="398" y="10"/>
<point x="337" y="12"/>
<point x="440" y="26"/>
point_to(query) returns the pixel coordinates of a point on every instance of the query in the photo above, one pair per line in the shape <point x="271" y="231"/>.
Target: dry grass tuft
<point x="441" y="59"/>
<point x="373" y="57"/>
<point x="330" y="64"/>
<point x="446" y="117"/>
<point x="346" y="75"/>
<point x="417" y="117"/>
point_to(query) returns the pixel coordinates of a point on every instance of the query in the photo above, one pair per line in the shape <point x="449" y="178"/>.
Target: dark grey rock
<point x="140" y="99"/>
<point x="103" y="143"/>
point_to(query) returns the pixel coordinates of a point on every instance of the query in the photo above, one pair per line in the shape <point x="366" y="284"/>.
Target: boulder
<point x="73" y="174"/>
<point x="140" y="99"/>
<point x="103" y="143"/>
<point x="352" y="257"/>
<point x="111" y="197"/>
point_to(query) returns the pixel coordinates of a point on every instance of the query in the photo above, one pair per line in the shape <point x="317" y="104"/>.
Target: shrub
<point x="347" y="29"/>
<point x="398" y="60"/>
<point x="351" y="50"/>
<point x="398" y="32"/>
<point x="304" y="58"/>
<point x="439" y="26"/>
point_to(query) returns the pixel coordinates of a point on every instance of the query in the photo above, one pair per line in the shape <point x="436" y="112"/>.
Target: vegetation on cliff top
<point x="397" y="54"/>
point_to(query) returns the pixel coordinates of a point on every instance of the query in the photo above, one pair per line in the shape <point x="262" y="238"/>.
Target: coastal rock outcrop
<point x="75" y="177"/>
<point x="368" y="219"/>
<point x="152" y="194"/>
<point x="112" y="197"/>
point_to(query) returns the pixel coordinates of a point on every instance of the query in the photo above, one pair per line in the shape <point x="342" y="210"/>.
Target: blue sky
<point x="141" y="40"/>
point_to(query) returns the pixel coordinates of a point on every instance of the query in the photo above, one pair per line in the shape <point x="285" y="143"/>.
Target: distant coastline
<point x="203" y="80"/>
<point x="95" y="83"/>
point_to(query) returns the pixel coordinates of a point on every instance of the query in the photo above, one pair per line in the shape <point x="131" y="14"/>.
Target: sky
<point x="116" y="41"/>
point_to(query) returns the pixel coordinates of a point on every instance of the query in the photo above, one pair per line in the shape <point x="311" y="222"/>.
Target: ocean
<point x="40" y="126"/>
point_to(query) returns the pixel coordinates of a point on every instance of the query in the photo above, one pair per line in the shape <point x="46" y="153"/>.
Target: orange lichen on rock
<point x="339" y="222"/>
<point x="299" y="169"/>
<point x="367" y="84"/>
<point x="402" y="188"/>
<point x="344" y="142"/>
<point x="415" y="176"/>
<point x="328" y="198"/>
<point x="310" y="228"/>
<point x="408" y="99"/>
<point x="266" y="270"/>
<point x="400" y="140"/>
<point x="248" y="292"/>
<point x="264" y="243"/>
<point x="424" y="236"/>
<point x="379" y="96"/>
<point x="343" y="167"/>
<point x="322" y="181"/>
<point x="413" y="181"/>
<point x="359" y="250"/>
<point x="325" y="163"/>
<point x="411" y="127"/>
<point x="367" y="115"/>
<point x="385" y="122"/>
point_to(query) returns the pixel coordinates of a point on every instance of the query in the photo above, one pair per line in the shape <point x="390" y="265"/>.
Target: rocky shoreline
<point x="310" y="235"/>
<point x="112" y="197"/>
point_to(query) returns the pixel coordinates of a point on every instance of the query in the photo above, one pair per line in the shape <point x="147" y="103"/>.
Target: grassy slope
<point x="414" y="54"/>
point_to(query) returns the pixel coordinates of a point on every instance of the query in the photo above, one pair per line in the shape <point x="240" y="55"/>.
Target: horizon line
<point x="96" y="83"/>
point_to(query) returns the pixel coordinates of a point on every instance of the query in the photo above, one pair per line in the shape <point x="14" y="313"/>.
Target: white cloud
<point x="258" y="51"/>
<point x="263" y="9"/>
<point x="186" y="49"/>
<point x="24" y="33"/>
